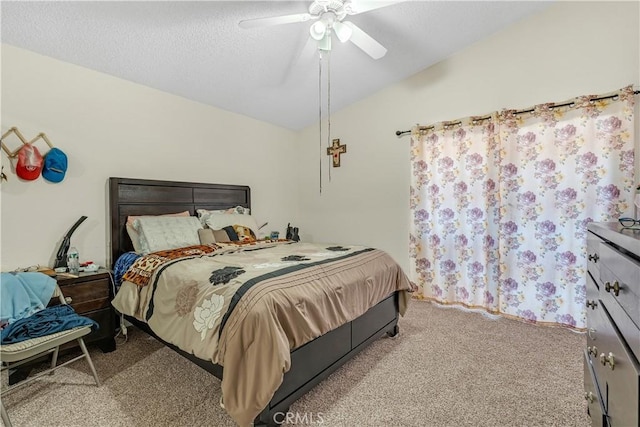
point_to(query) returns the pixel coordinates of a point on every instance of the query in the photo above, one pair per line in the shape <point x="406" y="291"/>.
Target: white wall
<point x="111" y="127"/>
<point x="570" y="49"/>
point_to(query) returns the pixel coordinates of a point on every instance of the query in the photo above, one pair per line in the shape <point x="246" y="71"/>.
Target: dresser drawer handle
<point x="608" y="359"/>
<point x="593" y="304"/>
<point x="615" y="287"/>
<point x="68" y="300"/>
<point x="593" y="257"/>
<point x="589" y="397"/>
<point x="591" y="331"/>
<point x="592" y="350"/>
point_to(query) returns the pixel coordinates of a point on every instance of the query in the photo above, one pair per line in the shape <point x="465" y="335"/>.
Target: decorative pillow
<point x="245" y="234"/>
<point x="231" y="233"/>
<point x="160" y="233"/>
<point x="238" y="209"/>
<point x="204" y="213"/>
<point x="206" y="236"/>
<point x="221" y="235"/>
<point x="133" y="234"/>
<point x="219" y="221"/>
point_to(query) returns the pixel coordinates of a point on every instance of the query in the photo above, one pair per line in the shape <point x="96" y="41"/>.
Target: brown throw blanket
<point x="142" y="268"/>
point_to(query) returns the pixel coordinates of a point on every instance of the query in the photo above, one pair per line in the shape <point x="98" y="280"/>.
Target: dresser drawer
<point x="592" y="395"/>
<point x="598" y="327"/>
<point x="595" y="319"/>
<point x="618" y="376"/>
<point x="620" y="276"/>
<point x="621" y="294"/>
<point x="593" y="255"/>
<point x="592" y="296"/>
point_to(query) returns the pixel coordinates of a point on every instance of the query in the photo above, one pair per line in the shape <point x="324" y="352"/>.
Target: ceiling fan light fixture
<point x="329" y="17"/>
<point x="318" y="30"/>
<point x="325" y="42"/>
<point x="343" y="32"/>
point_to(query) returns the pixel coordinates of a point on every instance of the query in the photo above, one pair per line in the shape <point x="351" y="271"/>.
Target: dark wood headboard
<point x="150" y="197"/>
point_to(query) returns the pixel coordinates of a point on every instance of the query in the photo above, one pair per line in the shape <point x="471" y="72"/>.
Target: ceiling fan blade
<point x="365" y="42"/>
<point x="354" y="7"/>
<point x="276" y="20"/>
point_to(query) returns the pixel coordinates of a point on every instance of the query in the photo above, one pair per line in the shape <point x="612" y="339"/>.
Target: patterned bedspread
<point x="246" y="307"/>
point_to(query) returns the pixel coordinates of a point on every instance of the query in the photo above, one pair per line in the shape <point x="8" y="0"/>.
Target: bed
<point x="288" y="354"/>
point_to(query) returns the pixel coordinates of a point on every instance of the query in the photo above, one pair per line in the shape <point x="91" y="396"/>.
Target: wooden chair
<point x="14" y="355"/>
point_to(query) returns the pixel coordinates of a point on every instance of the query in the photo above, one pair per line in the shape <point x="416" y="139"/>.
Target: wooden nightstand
<point x="90" y="295"/>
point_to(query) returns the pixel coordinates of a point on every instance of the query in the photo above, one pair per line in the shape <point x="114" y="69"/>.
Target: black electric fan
<point x="61" y="255"/>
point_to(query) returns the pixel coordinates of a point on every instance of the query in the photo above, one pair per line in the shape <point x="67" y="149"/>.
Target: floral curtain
<point x="500" y="204"/>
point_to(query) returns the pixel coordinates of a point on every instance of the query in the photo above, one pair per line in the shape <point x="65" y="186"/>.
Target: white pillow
<point x="221" y="220"/>
<point x="133" y="234"/>
<point x="164" y="232"/>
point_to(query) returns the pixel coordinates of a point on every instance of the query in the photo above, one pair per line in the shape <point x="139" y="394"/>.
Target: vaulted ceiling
<point x="198" y="51"/>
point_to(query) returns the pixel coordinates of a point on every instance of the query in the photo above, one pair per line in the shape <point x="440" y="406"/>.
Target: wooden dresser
<point x="611" y="368"/>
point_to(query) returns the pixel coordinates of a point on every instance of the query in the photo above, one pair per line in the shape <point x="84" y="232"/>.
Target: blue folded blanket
<point x="45" y="322"/>
<point x="22" y="294"/>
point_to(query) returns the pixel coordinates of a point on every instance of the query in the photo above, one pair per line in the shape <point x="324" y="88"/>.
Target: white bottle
<point x="73" y="260"/>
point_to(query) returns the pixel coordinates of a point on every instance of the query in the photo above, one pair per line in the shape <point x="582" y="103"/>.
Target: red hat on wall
<point x="29" y="163"/>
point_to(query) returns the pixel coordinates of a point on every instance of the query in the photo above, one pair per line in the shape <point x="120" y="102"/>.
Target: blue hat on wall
<point x="55" y="165"/>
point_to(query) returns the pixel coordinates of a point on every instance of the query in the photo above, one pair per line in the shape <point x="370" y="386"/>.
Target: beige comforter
<point x="247" y="308"/>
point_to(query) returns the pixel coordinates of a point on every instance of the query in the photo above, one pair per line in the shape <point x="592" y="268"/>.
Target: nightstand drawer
<point x="87" y="296"/>
<point x="106" y="320"/>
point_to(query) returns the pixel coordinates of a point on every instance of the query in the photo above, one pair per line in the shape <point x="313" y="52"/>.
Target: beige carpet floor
<point x="446" y="368"/>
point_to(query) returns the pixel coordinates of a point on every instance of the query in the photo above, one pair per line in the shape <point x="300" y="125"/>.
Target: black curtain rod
<point x="635" y="92"/>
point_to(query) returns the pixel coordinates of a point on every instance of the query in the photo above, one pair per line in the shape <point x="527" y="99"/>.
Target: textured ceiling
<point x="197" y="50"/>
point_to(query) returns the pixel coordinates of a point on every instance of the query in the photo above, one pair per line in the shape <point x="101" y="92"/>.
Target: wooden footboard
<point x="316" y="360"/>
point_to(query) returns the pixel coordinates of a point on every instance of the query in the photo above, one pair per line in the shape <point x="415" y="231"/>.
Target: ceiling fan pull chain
<point x="329" y="106"/>
<point x="320" y="114"/>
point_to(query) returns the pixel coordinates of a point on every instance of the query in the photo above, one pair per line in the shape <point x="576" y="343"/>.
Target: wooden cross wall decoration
<point x="335" y="150"/>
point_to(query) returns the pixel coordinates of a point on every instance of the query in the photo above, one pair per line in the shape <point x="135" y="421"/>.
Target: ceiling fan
<point x="329" y="16"/>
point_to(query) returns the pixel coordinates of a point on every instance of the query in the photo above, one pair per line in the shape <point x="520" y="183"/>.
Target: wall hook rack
<point x="14" y="130"/>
